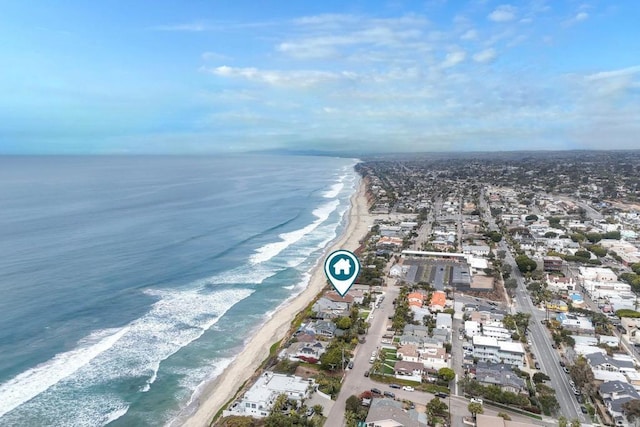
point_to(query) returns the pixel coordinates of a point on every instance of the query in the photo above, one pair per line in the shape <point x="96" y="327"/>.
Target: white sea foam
<point x="197" y="379"/>
<point x="115" y="414"/>
<point x="243" y="275"/>
<point x="271" y="250"/>
<point x="334" y="191"/>
<point x="31" y="383"/>
<point x="136" y="351"/>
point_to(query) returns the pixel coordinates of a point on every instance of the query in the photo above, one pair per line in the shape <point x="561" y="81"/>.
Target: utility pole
<point x="449" y="407"/>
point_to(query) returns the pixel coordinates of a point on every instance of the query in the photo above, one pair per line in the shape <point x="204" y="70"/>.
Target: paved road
<point x="539" y="335"/>
<point x="355" y="382"/>
<point x="547" y="357"/>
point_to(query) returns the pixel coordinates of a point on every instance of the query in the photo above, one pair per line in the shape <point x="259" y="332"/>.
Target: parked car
<point x="376" y="391"/>
<point x="394" y="386"/>
<point x="562" y="364"/>
<point x="310" y="412"/>
<point x="583" y="409"/>
<point x="442" y="395"/>
<point x="565" y="369"/>
<point x="350" y="365"/>
<point x="408" y="388"/>
<point x="579" y="398"/>
<point x="476" y="400"/>
<point x="390" y="394"/>
<point x="366" y="373"/>
<point x="537" y="365"/>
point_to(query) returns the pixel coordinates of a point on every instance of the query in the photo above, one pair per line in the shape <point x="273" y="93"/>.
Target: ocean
<point x="127" y="282"/>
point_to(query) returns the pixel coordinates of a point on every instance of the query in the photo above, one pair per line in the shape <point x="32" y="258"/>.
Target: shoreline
<point x="225" y="386"/>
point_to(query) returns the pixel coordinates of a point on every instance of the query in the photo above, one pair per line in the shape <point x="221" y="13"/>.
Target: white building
<point x="259" y="399"/>
<point x="598" y="274"/>
<point x="487" y="349"/>
<point x="478" y="250"/>
<point x="434" y="358"/>
<point x="444" y="321"/>
<point x="604" y="289"/>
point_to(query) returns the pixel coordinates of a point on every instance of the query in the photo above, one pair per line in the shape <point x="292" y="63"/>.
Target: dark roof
<point x="617" y="387"/>
<point x="597" y="359"/>
<point x="388" y="409"/>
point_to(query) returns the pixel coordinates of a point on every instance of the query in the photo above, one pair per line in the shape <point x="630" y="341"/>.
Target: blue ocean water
<point x="127" y="282"/>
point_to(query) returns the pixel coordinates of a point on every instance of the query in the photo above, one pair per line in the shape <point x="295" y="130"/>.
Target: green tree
<point x="353" y="404"/>
<point x="632" y="410"/>
<point x="435" y="408"/>
<point x="583" y="254"/>
<point x="279" y="404"/>
<point x="446" y="374"/>
<point x="343" y="323"/>
<point x="575" y="422"/>
<point x="278" y="420"/>
<point x="562" y="421"/>
<point x="318" y="409"/>
<point x="582" y="375"/>
<point x="578" y="237"/>
<point x="331" y="359"/>
<point x="504" y="416"/>
<point x="511" y="283"/>
<point x="612" y="235"/>
<point x="540" y="377"/>
<point x="597" y="250"/>
<point x="525" y="264"/>
<point x="594" y="237"/>
<point x="475" y="408"/>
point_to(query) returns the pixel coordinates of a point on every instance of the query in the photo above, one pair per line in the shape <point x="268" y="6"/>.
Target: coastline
<point x="218" y="392"/>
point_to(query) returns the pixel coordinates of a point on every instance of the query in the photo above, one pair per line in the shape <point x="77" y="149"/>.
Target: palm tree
<point x="318" y="409"/>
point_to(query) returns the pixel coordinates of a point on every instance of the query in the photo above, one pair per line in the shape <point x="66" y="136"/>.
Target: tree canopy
<point x="525" y="264"/>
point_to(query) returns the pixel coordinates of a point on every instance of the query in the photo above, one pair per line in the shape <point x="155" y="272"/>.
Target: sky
<point x="191" y="77"/>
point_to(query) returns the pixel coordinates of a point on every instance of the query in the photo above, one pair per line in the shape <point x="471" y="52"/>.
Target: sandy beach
<point x="219" y="391"/>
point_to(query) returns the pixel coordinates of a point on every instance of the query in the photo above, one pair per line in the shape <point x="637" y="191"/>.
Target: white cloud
<point x="485" y="56"/>
<point x="469" y="35"/>
<point x="295" y="78"/>
<point x="187" y="27"/>
<point x="503" y="13"/>
<point x="582" y="16"/>
<point x="378" y="33"/>
<point x="454" y="58"/>
<point x="623" y="72"/>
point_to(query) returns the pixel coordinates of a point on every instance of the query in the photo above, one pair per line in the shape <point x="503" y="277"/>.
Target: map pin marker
<point x="342" y="268"/>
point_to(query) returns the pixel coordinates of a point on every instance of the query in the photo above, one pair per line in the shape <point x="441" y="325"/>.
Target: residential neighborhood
<point x="483" y="299"/>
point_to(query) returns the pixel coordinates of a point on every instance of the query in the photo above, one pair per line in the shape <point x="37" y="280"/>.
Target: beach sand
<point x="220" y="390"/>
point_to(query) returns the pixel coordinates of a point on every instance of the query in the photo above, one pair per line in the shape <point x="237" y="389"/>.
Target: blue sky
<point x="210" y="76"/>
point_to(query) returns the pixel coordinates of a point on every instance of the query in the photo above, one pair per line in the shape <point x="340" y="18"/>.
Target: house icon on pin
<point x="342" y="267"/>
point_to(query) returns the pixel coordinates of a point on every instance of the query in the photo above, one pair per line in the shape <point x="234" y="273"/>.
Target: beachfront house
<point x="259" y="399"/>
